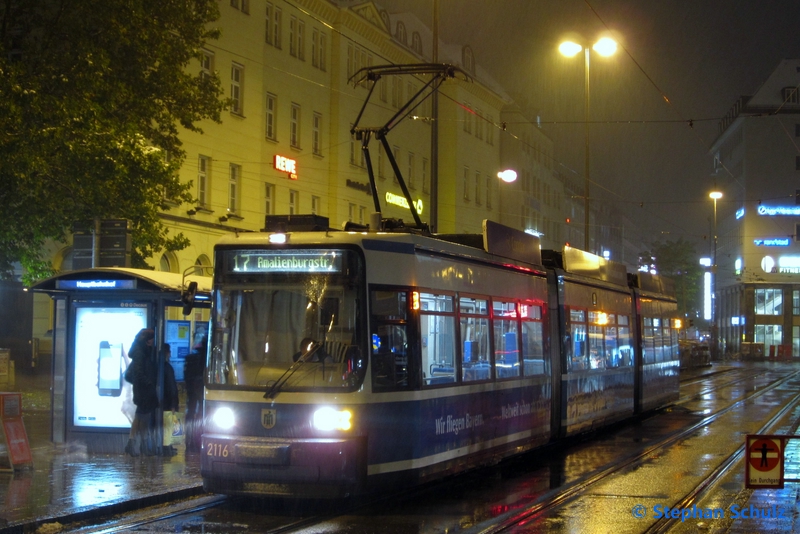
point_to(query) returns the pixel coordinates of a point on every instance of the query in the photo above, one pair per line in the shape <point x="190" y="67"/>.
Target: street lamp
<point x="605" y="47"/>
<point x="714" y="195"/>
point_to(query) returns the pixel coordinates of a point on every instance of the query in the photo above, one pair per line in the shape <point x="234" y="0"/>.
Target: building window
<point x="416" y="43"/>
<point x="468" y="59"/>
<point x="795" y="302"/>
<point x="277" y="22"/>
<point x="380" y="162"/>
<point x="478" y="187"/>
<point x="294" y="202"/>
<point x="301" y="40"/>
<point x="294" y="126"/>
<point x="412" y="183"/>
<point x="425" y="185"/>
<point x="490" y="130"/>
<point x="207" y="64"/>
<point x="383" y="89"/>
<point x="797" y="163"/>
<point x="233" y="188"/>
<point x="488" y="192"/>
<point x="203" y="171"/>
<point x="269" y="199"/>
<point x="352" y="212"/>
<point x="237" y="88"/>
<point x="272" y="116"/>
<point x="352" y="147"/>
<point x="316" y="203"/>
<point x="478" y="124"/>
<point x="465" y="183"/>
<point x="268" y="29"/>
<point x="467" y="118"/>
<point x="242" y="5"/>
<point x="768" y="334"/>
<point x="769" y="301"/>
<point x="396" y="154"/>
<point x="322" y="46"/>
<point x="400" y="33"/>
<point x="314" y="49"/>
<point x="397" y="92"/>
<point x="790" y="95"/>
<point x="316" y="134"/>
<point x="297" y="43"/>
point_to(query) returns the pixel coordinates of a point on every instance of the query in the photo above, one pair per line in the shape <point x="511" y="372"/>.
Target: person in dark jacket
<point x="170" y="401"/>
<point x="142" y="375"/>
<point x="194" y="371"/>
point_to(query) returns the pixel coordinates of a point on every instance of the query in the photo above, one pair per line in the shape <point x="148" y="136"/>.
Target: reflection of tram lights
<point x="602" y="318"/>
<point x="415" y="300"/>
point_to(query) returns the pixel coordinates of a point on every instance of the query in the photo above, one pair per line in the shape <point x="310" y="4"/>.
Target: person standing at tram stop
<point x="142" y="374"/>
<point x="194" y="370"/>
<point x="170" y="402"/>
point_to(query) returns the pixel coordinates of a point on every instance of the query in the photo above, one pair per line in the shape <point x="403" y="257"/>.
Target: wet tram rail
<point x="675" y="457"/>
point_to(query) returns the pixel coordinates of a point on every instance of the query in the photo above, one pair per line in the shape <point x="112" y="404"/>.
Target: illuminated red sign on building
<point x="286" y="165"/>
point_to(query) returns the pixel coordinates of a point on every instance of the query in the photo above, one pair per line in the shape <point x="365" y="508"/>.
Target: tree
<point x="678" y="261"/>
<point x="92" y="95"/>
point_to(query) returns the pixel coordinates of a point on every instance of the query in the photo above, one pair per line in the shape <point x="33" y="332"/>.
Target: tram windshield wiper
<point x="304" y="358"/>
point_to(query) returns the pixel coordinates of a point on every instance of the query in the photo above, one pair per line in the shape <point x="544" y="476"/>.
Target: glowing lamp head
<point x="508" y="175"/>
<point x="569" y="48"/>
<point x="605" y="46"/>
<point x="716" y="195"/>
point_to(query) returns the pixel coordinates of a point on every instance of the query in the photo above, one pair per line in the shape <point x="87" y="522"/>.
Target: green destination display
<point x="284" y="261"/>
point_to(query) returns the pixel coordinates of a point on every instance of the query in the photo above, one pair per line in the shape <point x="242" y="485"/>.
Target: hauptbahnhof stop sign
<point x="764" y="467"/>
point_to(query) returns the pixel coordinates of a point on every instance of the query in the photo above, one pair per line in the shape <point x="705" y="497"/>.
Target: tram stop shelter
<point x="97" y="314"/>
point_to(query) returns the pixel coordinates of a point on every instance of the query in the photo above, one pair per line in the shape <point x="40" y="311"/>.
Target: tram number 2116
<point x="217" y="449"/>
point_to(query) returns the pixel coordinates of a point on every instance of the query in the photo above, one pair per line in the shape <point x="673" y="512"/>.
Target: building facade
<point x="757" y="251"/>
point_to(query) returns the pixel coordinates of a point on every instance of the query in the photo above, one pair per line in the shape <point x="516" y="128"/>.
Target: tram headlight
<point x="224" y="418"/>
<point x="328" y="418"/>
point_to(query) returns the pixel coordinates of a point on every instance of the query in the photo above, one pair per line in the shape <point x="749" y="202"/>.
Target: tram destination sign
<point x="284" y="261"/>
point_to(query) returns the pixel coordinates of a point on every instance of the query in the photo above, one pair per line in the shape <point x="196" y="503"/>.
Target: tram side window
<point x="596" y="345"/>
<point x="389" y="340"/>
<point x="474" y="322"/>
<point x="580" y="357"/>
<point x="506" y="338"/>
<point x="648" y="340"/>
<point x="611" y="347"/>
<point x="658" y="340"/>
<point x="532" y="339"/>
<point x="437" y="329"/>
<point x="624" y="341"/>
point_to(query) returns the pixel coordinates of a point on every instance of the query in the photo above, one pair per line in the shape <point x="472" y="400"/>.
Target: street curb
<point x="105" y="510"/>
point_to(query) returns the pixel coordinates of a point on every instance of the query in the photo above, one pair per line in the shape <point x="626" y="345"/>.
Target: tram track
<point x="664" y="524"/>
<point x="561" y="496"/>
<point x="148" y="518"/>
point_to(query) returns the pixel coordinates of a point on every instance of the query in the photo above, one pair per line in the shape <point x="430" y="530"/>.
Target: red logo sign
<point x="765" y="454"/>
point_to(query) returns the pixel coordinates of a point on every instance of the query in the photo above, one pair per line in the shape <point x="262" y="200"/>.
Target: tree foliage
<point x="92" y="96"/>
<point x="678" y="260"/>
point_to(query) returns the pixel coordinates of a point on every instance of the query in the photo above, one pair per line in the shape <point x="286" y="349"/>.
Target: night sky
<point x="702" y="55"/>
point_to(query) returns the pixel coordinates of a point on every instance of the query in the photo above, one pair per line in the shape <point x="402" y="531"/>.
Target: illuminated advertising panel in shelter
<point x="103" y="336"/>
<point x="284" y="261"/>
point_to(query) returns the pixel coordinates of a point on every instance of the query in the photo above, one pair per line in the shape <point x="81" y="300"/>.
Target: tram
<point x="345" y="361"/>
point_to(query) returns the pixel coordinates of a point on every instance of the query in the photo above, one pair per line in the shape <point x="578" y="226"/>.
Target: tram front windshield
<point x="287" y="320"/>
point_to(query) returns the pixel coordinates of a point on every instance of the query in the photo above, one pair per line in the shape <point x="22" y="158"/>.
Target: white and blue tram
<point x="343" y="361"/>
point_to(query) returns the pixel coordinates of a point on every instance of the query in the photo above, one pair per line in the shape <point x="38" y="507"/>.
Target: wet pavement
<point x="68" y="484"/>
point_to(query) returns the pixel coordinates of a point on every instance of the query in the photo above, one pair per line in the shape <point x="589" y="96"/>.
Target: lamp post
<point x="714" y="195"/>
<point x="605" y="47"/>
